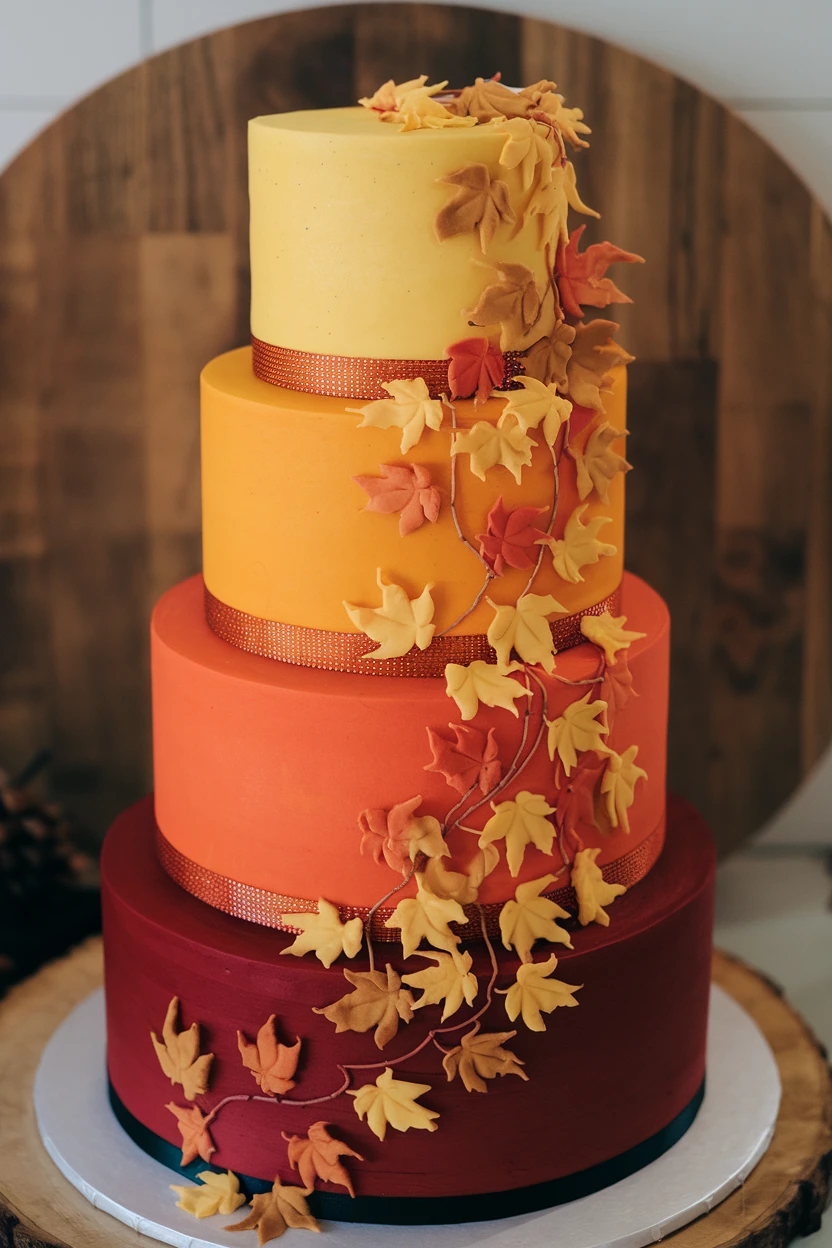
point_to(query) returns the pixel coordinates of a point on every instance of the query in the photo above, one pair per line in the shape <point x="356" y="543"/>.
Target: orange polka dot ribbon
<point x="349" y="652"/>
<point x="273" y="909"/>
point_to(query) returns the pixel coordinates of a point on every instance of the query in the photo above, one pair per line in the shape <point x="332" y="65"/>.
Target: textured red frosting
<point x="262" y="769"/>
<point x="602" y="1078"/>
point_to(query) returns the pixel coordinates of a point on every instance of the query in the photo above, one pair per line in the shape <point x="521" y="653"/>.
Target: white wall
<point x="767" y="60"/>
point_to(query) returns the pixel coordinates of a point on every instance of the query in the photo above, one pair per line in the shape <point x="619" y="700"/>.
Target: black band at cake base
<point x="434" y="1210"/>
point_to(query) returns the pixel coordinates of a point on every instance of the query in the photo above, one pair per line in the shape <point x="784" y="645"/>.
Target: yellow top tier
<point x="345" y="258"/>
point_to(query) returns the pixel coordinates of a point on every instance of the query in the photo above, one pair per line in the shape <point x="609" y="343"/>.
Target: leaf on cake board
<point x="405" y="489"/>
<point x="580" y="545"/>
<point x="520" y="821"/>
<point x="324" y="934"/>
<point x="479" y="204"/>
<point x="399" y="835"/>
<point x="476" y="367"/>
<point x="377" y="1000"/>
<point x="196" y="1138"/>
<point x="581" y="275"/>
<point x="591" y="889"/>
<point x="485" y="683"/>
<point x="445" y="983"/>
<point x="598" y="464"/>
<point x="576" y="730"/>
<point x="317" y="1154"/>
<point x="272" y="1064"/>
<point x="535" y="993"/>
<point x="179" y="1056"/>
<point x="530" y="917"/>
<point x="276" y="1211"/>
<point x="534" y="404"/>
<point x="393" y="1102"/>
<point x="426" y="917"/>
<point x="472" y="758"/>
<point x="480" y="1055"/>
<point x="618" y="785"/>
<point x="399" y="624"/>
<point x="510" y="536"/>
<point x="525" y="630"/>
<point x="409" y="408"/>
<point x="218" y="1193"/>
<point x="608" y="633"/>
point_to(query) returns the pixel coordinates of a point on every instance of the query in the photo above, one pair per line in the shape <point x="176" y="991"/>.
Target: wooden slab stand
<point x="784" y="1196"/>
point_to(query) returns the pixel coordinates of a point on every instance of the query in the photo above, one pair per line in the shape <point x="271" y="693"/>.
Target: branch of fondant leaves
<point x="555" y="501"/>
<point x="489" y="572"/>
<point x="368" y="921"/>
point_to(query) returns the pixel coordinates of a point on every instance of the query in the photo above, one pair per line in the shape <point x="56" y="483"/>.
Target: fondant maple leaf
<point x="618" y="785"/>
<point x="178" y="1054"/>
<point x="607" y="631"/>
<point x="479" y="1056"/>
<point x="377" y="1000"/>
<point x="406" y="489"/>
<point x="409" y="408"/>
<point x="530" y="917"/>
<point x="486" y="683"/>
<point x="513" y="302"/>
<point x="618" y="683"/>
<point x="218" y="1193"/>
<point x="528" y="145"/>
<point x="547" y="360"/>
<point x="520" y="822"/>
<point x="535" y="403"/>
<point x="426" y="917"/>
<point x="579" y="546"/>
<point x="534" y="993"/>
<point x="476" y="367"/>
<point x="576" y="798"/>
<point x="576" y="730"/>
<point x="271" y="1064"/>
<point x="316" y="1156"/>
<point x="324" y="934"/>
<point x="509" y="536"/>
<point x="461" y="886"/>
<point x="471" y="758"/>
<point x="480" y="204"/>
<point x="592" y="890"/>
<point x="196" y="1138"/>
<point x="597" y="464"/>
<point x="399" y="624"/>
<point x="524" y="629"/>
<point x="399" y="835"/>
<point x="580" y="275"/>
<point x="569" y="121"/>
<point x="446" y="982"/>
<point x="489" y="446"/>
<point x="554" y="202"/>
<point x="489" y="100"/>
<point x="417" y="110"/>
<point x="390" y="94"/>
<point x="594" y="355"/>
<point x="274" y="1212"/>
<point x="393" y="1102"/>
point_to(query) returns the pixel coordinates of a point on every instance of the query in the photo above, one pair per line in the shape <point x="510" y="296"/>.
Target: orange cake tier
<point x="269" y="776"/>
<point x="287" y="535"/>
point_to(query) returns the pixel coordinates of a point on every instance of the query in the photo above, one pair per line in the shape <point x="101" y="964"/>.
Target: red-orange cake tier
<point x="262" y="769"/>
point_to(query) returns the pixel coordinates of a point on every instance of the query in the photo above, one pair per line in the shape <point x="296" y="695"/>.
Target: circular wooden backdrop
<point x="124" y="268"/>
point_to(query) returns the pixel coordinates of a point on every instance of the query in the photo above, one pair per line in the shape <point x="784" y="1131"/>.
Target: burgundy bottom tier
<point x="610" y="1084"/>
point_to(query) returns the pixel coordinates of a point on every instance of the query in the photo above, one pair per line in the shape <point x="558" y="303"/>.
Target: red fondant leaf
<point x="580" y="275"/>
<point x="618" y="684"/>
<point x="196" y="1138"/>
<point x="510" y="537"/>
<point x="272" y="1064"/>
<point x="398" y="834"/>
<point x="472" y="758"/>
<point x="477" y="367"/>
<point x="315" y="1156"/>
<point x="405" y="489"/>
<point x="576" y="800"/>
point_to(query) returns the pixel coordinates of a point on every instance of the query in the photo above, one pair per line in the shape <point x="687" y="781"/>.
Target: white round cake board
<point x="729" y="1136"/>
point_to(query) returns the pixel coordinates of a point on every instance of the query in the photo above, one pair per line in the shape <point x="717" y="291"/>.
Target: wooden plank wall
<point x="123" y="268"/>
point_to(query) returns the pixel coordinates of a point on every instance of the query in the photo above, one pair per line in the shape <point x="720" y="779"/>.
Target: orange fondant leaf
<point x="520" y="822"/>
<point x="315" y="1156"/>
<point x="476" y="368"/>
<point x="390" y="94"/>
<point x="580" y="275"/>
<point x="178" y="1054"/>
<point x="274" y="1212"/>
<point x="399" y="624"/>
<point x="324" y="934"/>
<point x="608" y="633"/>
<point x="510" y="536"/>
<point x="547" y="360"/>
<point x="480" y="203"/>
<point x="272" y="1064"/>
<point x="196" y="1138"/>
<point x="576" y="799"/>
<point x="525" y="630"/>
<point x="446" y="982"/>
<point x="480" y="1056"/>
<point x="218" y="1193"/>
<point x="589" y="369"/>
<point x="399" y="835"/>
<point x="535" y="993"/>
<point x="393" y="1102"/>
<point x="485" y="683"/>
<point x="513" y="302"/>
<point x="568" y="121"/>
<point x="471" y="758"/>
<point x="530" y="917"/>
<point x="490" y="446"/>
<point x="592" y="890"/>
<point x="579" y="546"/>
<point x="377" y="1000"/>
<point x="597" y="464"/>
<point x="426" y="917"/>
<point x="576" y="730"/>
<point x="618" y="683"/>
<point x="404" y="489"/>
<point x="618" y="785"/>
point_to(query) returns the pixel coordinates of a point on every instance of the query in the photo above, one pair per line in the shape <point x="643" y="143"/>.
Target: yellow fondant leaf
<point x="577" y="730"/>
<point x="480" y="1056"/>
<point x="410" y="408"/>
<point x="598" y="463"/>
<point x="530" y="917"/>
<point x="592" y="891"/>
<point x="393" y="1102"/>
<point x="534" y="993"/>
<point x="377" y="1000"/>
<point x="389" y="96"/>
<point x="536" y="403"/>
<point x="324" y="934"/>
<point x="459" y="886"/>
<point x="527" y="148"/>
<point x="445" y="982"/>
<point x="520" y="822"/>
<point x="569" y="121"/>
<point x="618" y="785"/>
<point x="485" y="683"/>
<point x="276" y="1211"/>
<point x="491" y="446"/>
<point x="178" y="1054"/>
<point x="417" y="110"/>
<point x="594" y="355"/>
<point x="426" y="917"/>
<point x="525" y="629"/>
<point x="399" y="624"/>
<point x="608" y="632"/>
<point x="219" y="1193"/>
<point x="579" y="545"/>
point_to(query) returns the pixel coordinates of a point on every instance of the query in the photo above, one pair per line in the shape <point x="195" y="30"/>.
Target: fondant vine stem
<point x="551" y="525"/>
<point x="489" y="573"/>
<point x="368" y="921"/>
<point x="242" y="1096"/>
<point x="448" y="820"/>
